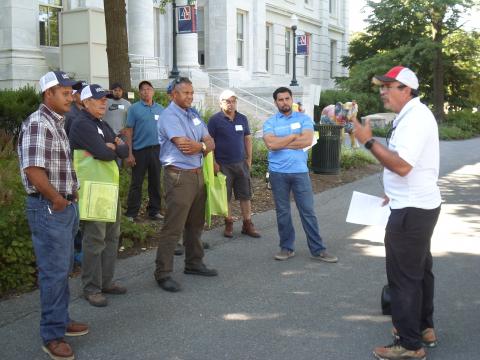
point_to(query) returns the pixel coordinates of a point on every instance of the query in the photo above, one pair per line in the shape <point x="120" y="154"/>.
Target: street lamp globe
<point x="294" y="21"/>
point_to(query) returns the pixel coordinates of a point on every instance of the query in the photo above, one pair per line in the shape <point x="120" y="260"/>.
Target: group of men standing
<point x="176" y="139"/>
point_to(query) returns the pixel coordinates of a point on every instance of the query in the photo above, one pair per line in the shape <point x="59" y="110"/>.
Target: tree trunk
<point x="438" y="86"/>
<point x="117" y="42"/>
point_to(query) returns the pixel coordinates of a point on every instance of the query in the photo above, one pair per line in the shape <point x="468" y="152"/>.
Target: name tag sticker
<point x="196" y="122"/>
<point x="239" y="127"/>
<point x="100" y="131"/>
<point x="157" y="117"/>
<point x="295" y="125"/>
<point x="121" y="107"/>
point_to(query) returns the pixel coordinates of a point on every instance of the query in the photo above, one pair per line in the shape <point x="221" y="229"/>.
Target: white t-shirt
<point x="415" y="139"/>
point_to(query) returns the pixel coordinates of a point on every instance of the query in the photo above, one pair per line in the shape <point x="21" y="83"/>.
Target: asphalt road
<point x="258" y="308"/>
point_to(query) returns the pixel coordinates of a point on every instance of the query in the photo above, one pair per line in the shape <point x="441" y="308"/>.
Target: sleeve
<point x="246" y="131"/>
<point x="204" y="130"/>
<point x="307" y="123"/>
<point x="84" y="135"/>
<point x="34" y="145"/>
<point x="170" y="128"/>
<point x="268" y="127"/>
<point x="211" y="126"/>
<point x="131" y="117"/>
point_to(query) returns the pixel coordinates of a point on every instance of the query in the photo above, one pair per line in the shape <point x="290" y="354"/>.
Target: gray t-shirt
<point x="116" y="115"/>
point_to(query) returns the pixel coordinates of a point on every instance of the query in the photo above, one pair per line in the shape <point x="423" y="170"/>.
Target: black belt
<point x="68" y="197"/>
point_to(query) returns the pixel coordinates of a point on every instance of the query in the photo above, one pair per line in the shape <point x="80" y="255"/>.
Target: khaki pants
<point x="99" y="246"/>
<point x="185" y="202"/>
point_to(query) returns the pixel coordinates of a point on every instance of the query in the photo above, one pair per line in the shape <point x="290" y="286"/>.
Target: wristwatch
<point x="204" y="146"/>
<point x="368" y="145"/>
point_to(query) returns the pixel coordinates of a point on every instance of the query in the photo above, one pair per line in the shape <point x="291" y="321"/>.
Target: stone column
<point x="259" y="40"/>
<point x="21" y="60"/>
<point x="140" y="28"/>
<point x="187" y="47"/>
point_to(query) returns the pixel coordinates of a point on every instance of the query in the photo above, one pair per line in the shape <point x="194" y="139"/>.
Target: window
<point x="201" y="36"/>
<point x="268" y="41"/>
<point x="240" y="39"/>
<point x="306" y="57"/>
<point x="48" y="22"/>
<point x="332" y="7"/>
<point x="333" y="58"/>
<point x="288" y="50"/>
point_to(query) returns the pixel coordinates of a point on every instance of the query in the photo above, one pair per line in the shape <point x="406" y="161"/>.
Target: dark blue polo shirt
<point x="229" y="137"/>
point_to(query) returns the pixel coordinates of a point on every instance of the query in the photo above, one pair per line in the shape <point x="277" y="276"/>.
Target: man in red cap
<point x="411" y="162"/>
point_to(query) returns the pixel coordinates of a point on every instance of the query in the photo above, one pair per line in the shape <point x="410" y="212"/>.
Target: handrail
<point x="257" y="107"/>
<point x="244" y="92"/>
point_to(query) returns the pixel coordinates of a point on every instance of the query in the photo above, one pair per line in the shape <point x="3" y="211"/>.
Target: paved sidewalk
<point x="259" y="308"/>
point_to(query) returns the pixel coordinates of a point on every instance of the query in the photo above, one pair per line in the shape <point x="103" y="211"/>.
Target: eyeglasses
<point x="388" y="88"/>
<point x="229" y="101"/>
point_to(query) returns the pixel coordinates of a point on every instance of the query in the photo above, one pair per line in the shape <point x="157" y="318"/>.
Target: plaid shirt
<point x="43" y="143"/>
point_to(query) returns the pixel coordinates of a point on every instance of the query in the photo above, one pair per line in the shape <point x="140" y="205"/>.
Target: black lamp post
<point x="174" y="73"/>
<point x="294" y="21"/>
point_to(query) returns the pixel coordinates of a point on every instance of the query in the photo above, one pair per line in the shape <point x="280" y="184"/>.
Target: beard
<point x="285" y="109"/>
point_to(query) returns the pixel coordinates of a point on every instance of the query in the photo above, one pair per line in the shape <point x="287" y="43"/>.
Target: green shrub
<point x="135" y="234"/>
<point x="466" y="120"/>
<point x="17" y="261"/>
<point x="381" y="132"/>
<point x="15" y="107"/>
<point x="453" y="133"/>
<point x="259" y="158"/>
<point x="355" y="158"/>
<point x="160" y="97"/>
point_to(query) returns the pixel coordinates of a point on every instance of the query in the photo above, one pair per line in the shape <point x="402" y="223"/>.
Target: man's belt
<point x="68" y="197"/>
<point x="180" y="170"/>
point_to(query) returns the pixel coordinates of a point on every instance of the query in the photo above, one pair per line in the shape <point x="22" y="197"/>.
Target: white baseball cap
<point x="398" y="73"/>
<point x="227" y="94"/>
<point x="53" y="78"/>
<point x="94" y="91"/>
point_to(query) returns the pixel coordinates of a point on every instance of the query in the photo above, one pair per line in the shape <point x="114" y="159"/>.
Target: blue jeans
<point x="52" y="236"/>
<point x="299" y="184"/>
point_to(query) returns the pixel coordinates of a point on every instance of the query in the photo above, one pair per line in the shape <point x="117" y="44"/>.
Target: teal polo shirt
<point x="288" y="160"/>
<point x="143" y="120"/>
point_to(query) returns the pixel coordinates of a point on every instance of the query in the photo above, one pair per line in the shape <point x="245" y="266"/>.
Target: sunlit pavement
<point x="259" y="308"/>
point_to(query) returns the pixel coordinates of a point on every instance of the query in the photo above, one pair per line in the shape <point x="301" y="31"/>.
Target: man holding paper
<point x="410" y="177"/>
<point x="100" y="238"/>
<point x="286" y="134"/>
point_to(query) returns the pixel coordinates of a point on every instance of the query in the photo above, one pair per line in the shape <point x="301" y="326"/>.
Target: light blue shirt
<point x="287" y="160"/>
<point x="177" y="122"/>
<point x="143" y="120"/>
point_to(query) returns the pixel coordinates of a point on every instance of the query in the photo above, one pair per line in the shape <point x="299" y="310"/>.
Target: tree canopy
<point x="428" y="37"/>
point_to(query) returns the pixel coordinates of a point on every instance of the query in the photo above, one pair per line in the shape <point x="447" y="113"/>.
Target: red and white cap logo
<point x="400" y="74"/>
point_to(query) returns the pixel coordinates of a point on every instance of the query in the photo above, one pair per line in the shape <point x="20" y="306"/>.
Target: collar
<point x="181" y="111"/>
<point x="406" y="108"/>
<point x="55" y="116"/>
<point x="228" y="118"/>
<point x="283" y="116"/>
<point x="145" y="104"/>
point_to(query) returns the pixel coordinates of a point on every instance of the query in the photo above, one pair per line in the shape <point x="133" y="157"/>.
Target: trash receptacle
<point x="326" y="152"/>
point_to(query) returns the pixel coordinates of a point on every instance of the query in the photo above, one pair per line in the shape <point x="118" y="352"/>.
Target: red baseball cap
<point x="398" y="73"/>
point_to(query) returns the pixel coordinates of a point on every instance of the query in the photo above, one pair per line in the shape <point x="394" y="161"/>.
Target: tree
<point x="415" y="33"/>
<point x="117" y="42"/>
